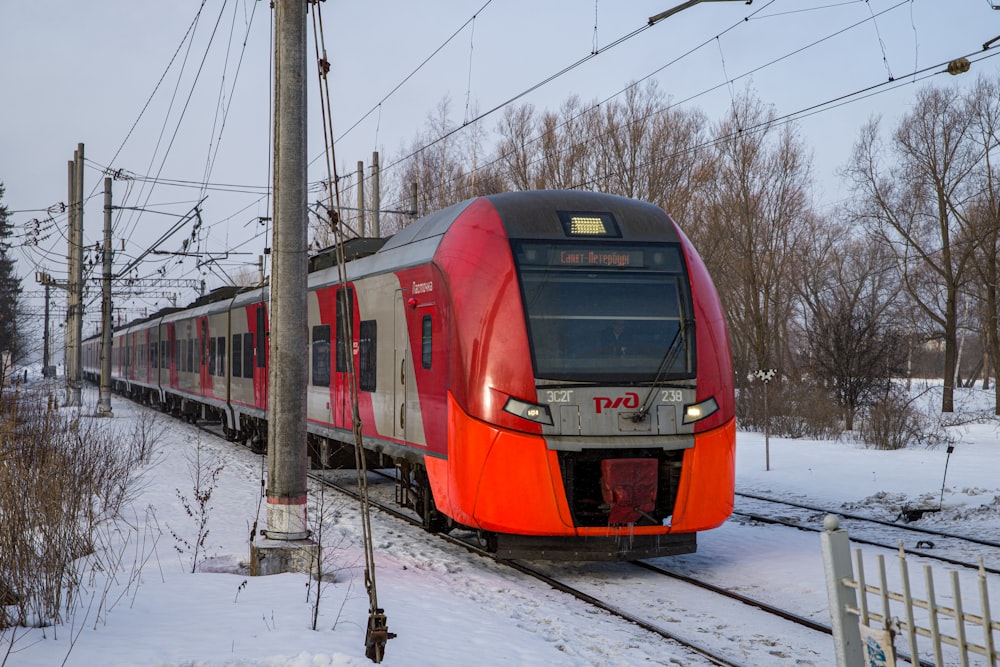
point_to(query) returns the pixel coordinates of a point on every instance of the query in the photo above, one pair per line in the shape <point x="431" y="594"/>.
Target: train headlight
<point x="529" y="411"/>
<point x="698" y="411"/>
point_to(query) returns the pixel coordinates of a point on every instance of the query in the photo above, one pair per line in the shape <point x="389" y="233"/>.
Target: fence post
<point x="837" y="565"/>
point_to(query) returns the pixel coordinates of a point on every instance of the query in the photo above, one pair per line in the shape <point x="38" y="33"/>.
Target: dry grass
<point x="65" y="481"/>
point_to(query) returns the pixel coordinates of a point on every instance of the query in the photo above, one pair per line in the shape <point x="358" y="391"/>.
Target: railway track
<point x="679" y="607"/>
<point x="941" y="545"/>
<point x="644" y="594"/>
<point x="674" y="606"/>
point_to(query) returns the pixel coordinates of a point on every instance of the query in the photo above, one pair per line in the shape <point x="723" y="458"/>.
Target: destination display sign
<point x="597" y="257"/>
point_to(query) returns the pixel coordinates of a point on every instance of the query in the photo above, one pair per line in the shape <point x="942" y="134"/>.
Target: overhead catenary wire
<point x="594" y="53"/>
<point x="835" y="102"/>
<point x="242" y="241"/>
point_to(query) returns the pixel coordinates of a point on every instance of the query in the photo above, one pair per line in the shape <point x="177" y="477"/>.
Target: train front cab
<point x="559" y="448"/>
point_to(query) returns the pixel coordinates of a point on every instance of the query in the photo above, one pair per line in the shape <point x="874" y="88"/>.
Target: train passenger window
<point x="366" y="355"/>
<point x="237" y="355"/>
<point x="426" y="330"/>
<point x="211" y="356"/>
<point x="190" y="354"/>
<point x="248" y="354"/>
<point x="220" y="365"/>
<point x="321" y="355"/>
<point x="261" y="337"/>
<point x="154" y="359"/>
<point x="345" y="316"/>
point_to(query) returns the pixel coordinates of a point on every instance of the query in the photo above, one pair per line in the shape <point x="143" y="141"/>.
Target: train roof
<point x="353" y="249"/>
<point x="525" y="214"/>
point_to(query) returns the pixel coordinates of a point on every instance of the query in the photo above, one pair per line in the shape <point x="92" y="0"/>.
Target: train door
<point x="259" y="356"/>
<point x="404" y="384"/>
<point x="204" y="371"/>
<point x="343" y="345"/>
<point x="318" y="392"/>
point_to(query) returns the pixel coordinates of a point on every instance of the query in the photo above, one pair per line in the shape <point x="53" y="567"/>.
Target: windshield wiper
<point x="668" y="360"/>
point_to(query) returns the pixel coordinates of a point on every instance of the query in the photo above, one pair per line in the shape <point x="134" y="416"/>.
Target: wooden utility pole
<point x="287" y="547"/>
<point x="104" y="403"/>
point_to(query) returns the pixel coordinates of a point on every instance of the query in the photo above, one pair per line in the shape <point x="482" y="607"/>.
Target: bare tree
<point x="756" y="222"/>
<point x="984" y="109"/>
<point x="855" y="347"/>
<point x="445" y="166"/>
<point x="918" y="204"/>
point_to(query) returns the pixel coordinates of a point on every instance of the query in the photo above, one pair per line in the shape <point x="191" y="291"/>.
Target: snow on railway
<point x="449" y="607"/>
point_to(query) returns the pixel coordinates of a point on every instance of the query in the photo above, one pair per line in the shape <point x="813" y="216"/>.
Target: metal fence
<point x="868" y="619"/>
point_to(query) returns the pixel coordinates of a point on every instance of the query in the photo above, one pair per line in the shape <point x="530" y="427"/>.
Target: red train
<point x="549" y="368"/>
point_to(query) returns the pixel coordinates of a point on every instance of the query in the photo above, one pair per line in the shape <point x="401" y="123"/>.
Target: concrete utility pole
<point x="376" y="197"/>
<point x="287" y="547"/>
<point x="104" y="404"/>
<point x="361" y="198"/>
<point x="46" y="369"/>
<point x="74" y="281"/>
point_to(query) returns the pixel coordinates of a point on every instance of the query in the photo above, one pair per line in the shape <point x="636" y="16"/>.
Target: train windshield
<point x="607" y="312"/>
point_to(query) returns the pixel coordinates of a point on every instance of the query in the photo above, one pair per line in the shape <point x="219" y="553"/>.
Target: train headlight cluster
<point x="530" y="411"/>
<point x="698" y="411"/>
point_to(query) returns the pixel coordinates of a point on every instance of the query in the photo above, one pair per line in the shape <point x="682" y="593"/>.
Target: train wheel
<point x="423" y="502"/>
<point x="487" y="540"/>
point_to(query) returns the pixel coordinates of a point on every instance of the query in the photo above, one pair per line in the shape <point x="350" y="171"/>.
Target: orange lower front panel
<point x="499" y="480"/>
<point x="708" y="478"/>
<point x="510" y="482"/>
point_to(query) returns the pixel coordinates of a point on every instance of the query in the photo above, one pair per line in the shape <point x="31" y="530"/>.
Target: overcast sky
<point x="151" y="99"/>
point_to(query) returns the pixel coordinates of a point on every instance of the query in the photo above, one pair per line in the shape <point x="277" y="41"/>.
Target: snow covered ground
<point x="451" y="608"/>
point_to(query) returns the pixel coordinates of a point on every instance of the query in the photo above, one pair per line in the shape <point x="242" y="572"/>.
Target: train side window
<point x="154" y="355"/>
<point x="211" y="356"/>
<point x="345" y="310"/>
<point x="237" y="355"/>
<point x="366" y="355"/>
<point x="248" y="354"/>
<point x="190" y="354"/>
<point x="426" y="347"/>
<point x="220" y="365"/>
<point x="261" y="337"/>
<point x="321" y="355"/>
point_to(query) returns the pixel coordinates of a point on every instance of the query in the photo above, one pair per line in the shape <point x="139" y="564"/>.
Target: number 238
<point x="671" y="396"/>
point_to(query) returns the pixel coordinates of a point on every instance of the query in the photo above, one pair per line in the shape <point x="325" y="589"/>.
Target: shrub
<point x="895" y="423"/>
<point x="795" y="410"/>
<point x="63" y="478"/>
